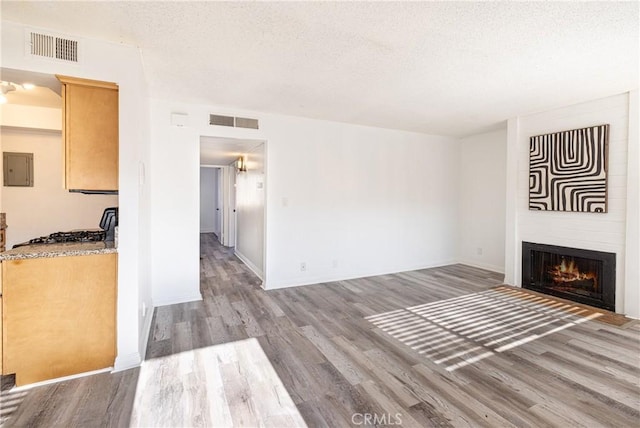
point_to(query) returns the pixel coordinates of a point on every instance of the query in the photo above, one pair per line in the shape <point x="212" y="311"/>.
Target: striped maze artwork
<point x="568" y="170"/>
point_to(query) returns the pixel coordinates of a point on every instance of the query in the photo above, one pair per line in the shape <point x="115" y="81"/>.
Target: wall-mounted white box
<point x="179" y="119"/>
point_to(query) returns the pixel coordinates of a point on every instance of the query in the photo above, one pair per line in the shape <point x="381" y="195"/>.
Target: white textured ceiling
<point x="452" y="68"/>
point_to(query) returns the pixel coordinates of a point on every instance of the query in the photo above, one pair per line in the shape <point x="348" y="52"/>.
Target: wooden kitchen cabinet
<point x="90" y="131"/>
<point x="59" y="316"/>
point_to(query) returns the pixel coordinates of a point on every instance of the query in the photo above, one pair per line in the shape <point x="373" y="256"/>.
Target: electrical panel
<point x="18" y="169"/>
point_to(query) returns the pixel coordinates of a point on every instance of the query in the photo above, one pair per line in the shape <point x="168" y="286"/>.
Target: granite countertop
<point x="58" y="250"/>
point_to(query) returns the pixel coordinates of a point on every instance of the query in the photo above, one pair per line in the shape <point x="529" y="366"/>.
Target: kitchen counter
<point x="58" y="250"/>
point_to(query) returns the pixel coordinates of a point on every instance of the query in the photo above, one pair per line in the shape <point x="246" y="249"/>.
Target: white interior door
<point x="207" y="200"/>
<point x="228" y="191"/>
<point x="219" y="205"/>
<point x="231" y="241"/>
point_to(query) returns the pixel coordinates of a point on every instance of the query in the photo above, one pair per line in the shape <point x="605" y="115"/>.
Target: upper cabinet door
<point x="90" y="128"/>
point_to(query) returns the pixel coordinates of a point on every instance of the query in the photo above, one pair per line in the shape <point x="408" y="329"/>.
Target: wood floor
<point x="231" y="384"/>
<point x="437" y="347"/>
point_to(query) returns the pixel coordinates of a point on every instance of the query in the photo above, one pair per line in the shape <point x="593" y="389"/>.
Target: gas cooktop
<point x="108" y="224"/>
<point x="74" y="236"/>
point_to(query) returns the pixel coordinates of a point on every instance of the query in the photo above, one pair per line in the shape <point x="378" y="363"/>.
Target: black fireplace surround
<point x="584" y="276"/>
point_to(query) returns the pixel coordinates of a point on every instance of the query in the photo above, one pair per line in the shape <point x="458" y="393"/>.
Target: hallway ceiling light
<point x="241" y="164"/>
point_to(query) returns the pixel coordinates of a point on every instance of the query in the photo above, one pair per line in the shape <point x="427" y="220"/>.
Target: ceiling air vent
<point x="51" y="46"/>
<point x="235" y="122"/>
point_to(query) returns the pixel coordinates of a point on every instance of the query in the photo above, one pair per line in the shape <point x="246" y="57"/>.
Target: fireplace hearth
<point x="583" y="276"/>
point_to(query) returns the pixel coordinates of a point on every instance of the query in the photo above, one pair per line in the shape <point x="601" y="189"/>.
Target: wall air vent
<point x="215" y="119"/>
<point x="52" y="46"/>
<point x="243" y="122"/>
<point x="235" y="122"/>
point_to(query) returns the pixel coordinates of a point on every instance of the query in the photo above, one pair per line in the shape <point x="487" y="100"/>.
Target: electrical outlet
<point x="479" y="251"/>
<point x="303" y="267"/>
<point x="334" y="263"/>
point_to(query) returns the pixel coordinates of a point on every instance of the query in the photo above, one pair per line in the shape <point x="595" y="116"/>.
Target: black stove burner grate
<point x="61" y="237"/>
<point x="78" y="236"/>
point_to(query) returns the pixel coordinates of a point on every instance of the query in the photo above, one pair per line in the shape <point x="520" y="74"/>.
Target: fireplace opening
<point x="582" y="276"/>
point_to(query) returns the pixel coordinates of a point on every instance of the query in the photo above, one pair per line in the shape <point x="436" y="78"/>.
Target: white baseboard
<point x="300" y="281"/>
<point x="126" y="362"/>
<point x="249" y="264"/>
<point x="486" y="266"/>
<point x="146" y="330"/>
<point x="177" y="299"/>
<point x="60" y="379"/>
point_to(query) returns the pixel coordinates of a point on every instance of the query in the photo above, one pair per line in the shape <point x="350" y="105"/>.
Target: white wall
<point x="632" y="248"/>
<point x="176" y="216"/>
<point x="24" y="116"/>
<point x="593" y="231"/>
<point x="208" y="199"/>
<point x="347" y="200"/>
<point x="105" y="61"/>
<point x="481" y="200"/>
<point x="250" y="198"/>
<point x="353" y="201"/>
<point x="46" y="207"/>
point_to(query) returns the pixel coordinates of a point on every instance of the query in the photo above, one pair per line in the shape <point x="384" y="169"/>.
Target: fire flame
<point x="569" y="272"/>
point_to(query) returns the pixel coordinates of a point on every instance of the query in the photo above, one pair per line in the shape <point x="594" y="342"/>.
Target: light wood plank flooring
<point x="230" y="384"/>
<point x="436" y="347"/>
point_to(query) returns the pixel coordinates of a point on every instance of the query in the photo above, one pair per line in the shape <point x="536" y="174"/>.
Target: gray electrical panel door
<point x="18" y="169"/>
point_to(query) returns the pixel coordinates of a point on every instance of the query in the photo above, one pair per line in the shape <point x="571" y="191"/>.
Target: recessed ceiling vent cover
<point x="234" y="122"/>
<point x="52" y="46"/>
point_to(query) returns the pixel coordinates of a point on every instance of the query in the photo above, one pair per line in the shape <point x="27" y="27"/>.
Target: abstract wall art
<point x="568" y="170"/>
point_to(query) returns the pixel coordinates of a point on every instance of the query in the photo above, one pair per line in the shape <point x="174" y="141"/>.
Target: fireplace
<point x="583" y="276"/>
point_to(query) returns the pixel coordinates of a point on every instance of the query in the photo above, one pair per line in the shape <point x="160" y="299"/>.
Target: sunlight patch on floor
<point x="227" y="385"/>
<point x="463" y="330"/>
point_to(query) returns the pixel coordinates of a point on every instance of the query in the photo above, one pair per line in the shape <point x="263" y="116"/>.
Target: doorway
<point x="232" y="196"/>
<point x="211" y="201"/>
